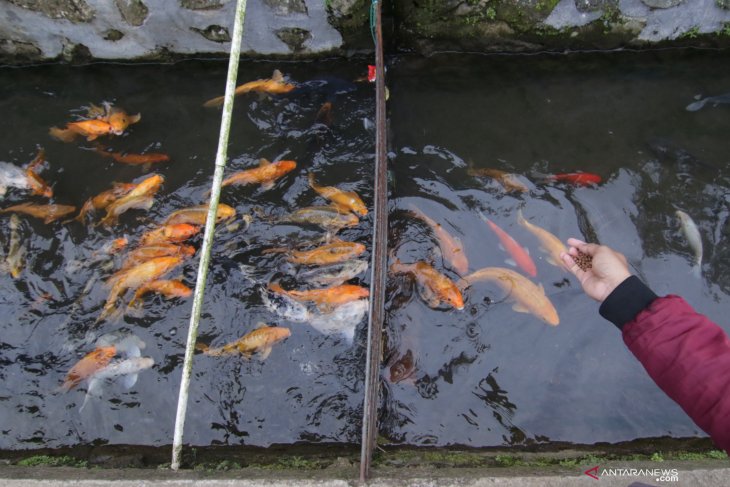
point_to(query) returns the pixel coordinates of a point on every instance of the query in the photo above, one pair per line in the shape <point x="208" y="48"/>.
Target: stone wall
<point x="41" y="30"/>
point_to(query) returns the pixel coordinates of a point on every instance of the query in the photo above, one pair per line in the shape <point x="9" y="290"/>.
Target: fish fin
<point x="267" y="185"/>
<point x="264" y="162"/>
<point x="202" y="347"/>
<point x="694" y="106"/>
<point x="277" y="76"/>
<point x="349" y="334"/>
<point x="3" y="190"/>
<point x="520" y="308"/>
<point x="93" y="390"/>
<point x="259" y="325"/>
<point x="265" y="353"/>
<point x="64" y="135"/>
<point x="553" y="262"/>
<point x="501" y="247"/>
<point x="135" y="118"/>
<point x="129" y="380"/>
<point x="697" y="271"/>
<point x="91" y="137"/>
<point x="510" y="262"/>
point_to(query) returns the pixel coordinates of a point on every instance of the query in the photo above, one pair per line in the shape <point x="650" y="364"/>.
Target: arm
<point x="686" y="354"/>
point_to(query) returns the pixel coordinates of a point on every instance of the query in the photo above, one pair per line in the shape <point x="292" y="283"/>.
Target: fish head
<point x="403" y="368"/>
<point x="550" y="316"/>
<point x="225" y="212"/>
<point x="286" y="166"/>
<point x="455" y="298"/>
<point x="120" y="120"/>
<point x="180" y="231"/>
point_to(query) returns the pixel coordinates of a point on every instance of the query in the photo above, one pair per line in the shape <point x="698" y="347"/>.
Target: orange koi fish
<point x="36" y="183"/>
<point x="331" y="253"/>
<point x="134" y="159"/>
<point x="550" y="244"/>
<point x="344" y="200"/>
<point x="116" y="117"/>
<point x="168" y="288"/>
<point x="325" y="298"/>
<point x="451" y="247"/>
<point x="433" y="287"/>
<point x="509" y="182"/>
<point x="105" y="198"/>
<point x="515" y="250"/>
<point x="576" y="178"/>
<point x="260" y="340"/>
<point x="197" y="215"/>
<point x="271" y="86"/>
<point x="529" y="298"/>
<point x="139" y="197"/>
<point x="47" y="213"/>
<point x="87" y="366"/>
<point x="265" y="174"/>
<point x="143" y="254"/>
<point x="178" y="232"/>
<point x="135" y="277"/>
<point x="91" y="129"/>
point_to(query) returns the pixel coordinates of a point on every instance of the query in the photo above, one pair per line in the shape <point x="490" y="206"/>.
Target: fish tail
<point x="312" y="182"/>
<point x="276" y="250"/>
<point x="214" y="102"/>
<point x="202" y="347"/>
<point x="693" y="107"/>
<point x="64" y="135"/>
<point x="276" y="287"/>
<point x="697" y="270"/>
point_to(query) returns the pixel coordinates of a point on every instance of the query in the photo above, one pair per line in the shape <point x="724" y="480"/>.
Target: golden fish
<point x="265" y="174"/>
<point x="178" y="232"/>
<point x="47" y="213"/>
<point x="273" y="86"/>
<point x="433" y="286"/>
<point x="327" y="217"/>
<point x="259" y="340"/>
<point x="16" y="251"/>
<point x="143" y="254"/>
<point x="509" y="182"/>
<point x="197" y="215"/>
<point x="529" y="298"/>
<point x="135" y="277"/>
<point x="451" y="247"/>
<point x="344" y="200"/>
<point x="331" y="253"/>
<point x="168" y="288"/>
<point x="91" y="129"/>
<point x="87" y="366"/>
<point x="549" y="243"/>
<point x="105" y="198"/>
<point x="37" y="184"/>
<point x="134" y="159"/>
<point x="139" y="197"/>
<point x="326" y="298"/>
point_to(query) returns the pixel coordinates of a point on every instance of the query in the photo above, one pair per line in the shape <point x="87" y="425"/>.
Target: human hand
<point x="609" y="268"/>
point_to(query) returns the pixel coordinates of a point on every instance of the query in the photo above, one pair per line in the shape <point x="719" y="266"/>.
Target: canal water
<point x="482" y="376"/>
<point x="488" y="375"/>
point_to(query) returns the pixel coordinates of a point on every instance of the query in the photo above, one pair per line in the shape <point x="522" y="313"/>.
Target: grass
<point x="49" y="461"/>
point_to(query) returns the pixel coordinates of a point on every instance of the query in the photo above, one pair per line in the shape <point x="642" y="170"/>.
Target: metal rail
<point x="379" y="261"/>
<point x="220" y="164"/>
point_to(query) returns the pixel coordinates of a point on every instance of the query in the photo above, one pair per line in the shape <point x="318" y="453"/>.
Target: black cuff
<point x="626" y="301"/>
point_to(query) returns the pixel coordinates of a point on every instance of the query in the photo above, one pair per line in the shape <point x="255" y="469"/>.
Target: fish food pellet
<point x="584" y="261"/>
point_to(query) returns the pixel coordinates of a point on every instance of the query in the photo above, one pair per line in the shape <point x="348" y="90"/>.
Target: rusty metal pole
<point x="379" y="262"/>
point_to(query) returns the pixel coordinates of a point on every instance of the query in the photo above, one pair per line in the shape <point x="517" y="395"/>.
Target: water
<point x="487" y="375"/>
<point x="484" y="376"/>
<point x="310" y="387"/>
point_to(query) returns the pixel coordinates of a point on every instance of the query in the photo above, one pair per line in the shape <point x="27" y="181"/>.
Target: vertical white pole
<point x="220" y="163"/>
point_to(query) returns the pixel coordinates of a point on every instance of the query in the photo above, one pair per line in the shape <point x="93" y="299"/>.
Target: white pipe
<point x="220" y="164"/>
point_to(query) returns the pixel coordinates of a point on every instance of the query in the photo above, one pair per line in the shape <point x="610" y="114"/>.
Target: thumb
<point x="570" y="264"/>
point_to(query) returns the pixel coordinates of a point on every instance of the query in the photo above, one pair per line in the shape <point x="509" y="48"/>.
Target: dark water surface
<point x="309" y="388"/>
<point x="485" y="375"/>
<point x="488" y="375"/>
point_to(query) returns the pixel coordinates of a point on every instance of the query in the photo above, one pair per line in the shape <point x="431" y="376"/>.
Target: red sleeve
<point x="688" y="356"/>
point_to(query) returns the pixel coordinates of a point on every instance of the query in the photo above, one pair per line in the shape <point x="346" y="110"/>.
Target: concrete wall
<point x="38" y="30"/>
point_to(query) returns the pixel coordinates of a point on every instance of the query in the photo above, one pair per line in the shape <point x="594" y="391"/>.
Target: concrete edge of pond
<point x="695" y="473"/>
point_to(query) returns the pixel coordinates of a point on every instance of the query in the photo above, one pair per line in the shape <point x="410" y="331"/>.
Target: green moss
<point x="691" y="33"/>
<point x="49" y="461"/>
